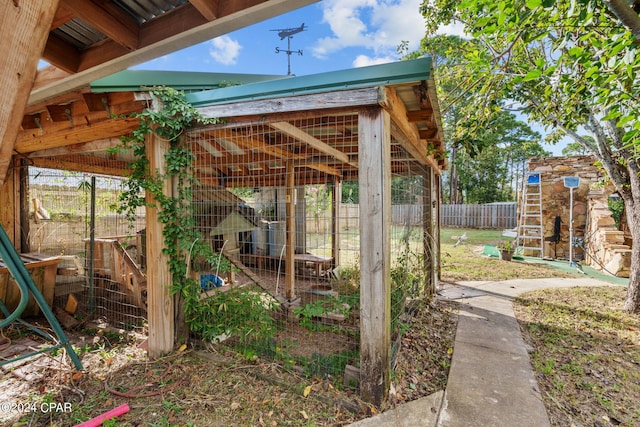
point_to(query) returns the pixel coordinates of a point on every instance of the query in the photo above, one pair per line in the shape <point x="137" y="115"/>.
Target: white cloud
<point x="225" y="50"/>
<point x="378" y="25"/>
<point x="364" y="60"/>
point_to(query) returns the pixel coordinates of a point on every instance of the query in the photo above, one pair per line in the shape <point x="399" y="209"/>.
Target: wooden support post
<point x="428" y="239"/>
<point x="160" y="307"/>
<point x="374" y="155"/>
<point x="23" y="201"/>
<point x="24" y="28"/>
<point x="335" y="220"/>
<point x="290" y="218"/>
<point x="8" y="208"/>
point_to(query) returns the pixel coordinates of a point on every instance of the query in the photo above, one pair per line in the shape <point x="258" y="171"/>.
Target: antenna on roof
<point x="288" y="33"/>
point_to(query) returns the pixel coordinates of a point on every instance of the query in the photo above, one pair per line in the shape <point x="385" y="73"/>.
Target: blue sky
<point x="340" y="34"/>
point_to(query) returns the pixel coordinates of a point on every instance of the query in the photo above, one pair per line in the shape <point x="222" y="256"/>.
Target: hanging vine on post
<point x="182" y="241"/>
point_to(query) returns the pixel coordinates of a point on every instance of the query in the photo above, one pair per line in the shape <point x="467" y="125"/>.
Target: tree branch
<point x="627" y="16"/>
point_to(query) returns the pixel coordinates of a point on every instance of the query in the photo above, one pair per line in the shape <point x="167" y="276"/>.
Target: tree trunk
<point x="632" y="303"/>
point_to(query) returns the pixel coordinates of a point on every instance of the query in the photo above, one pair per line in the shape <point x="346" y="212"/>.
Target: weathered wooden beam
<point x="61" y="54"/>
<point x="207" y="8"/>
<point x="375" y="258"/>
<point x="336" y="197"/>
<point x="28" y="142"/>
<point x="411" y="138"/>
<point x="302" y="136"/>
<point x="89" y="164"/>
<point x="290" y="220"/>
<point x="160" y="304"/>
<point x="340" y="101"/>
<point x="24" y="26"/>
<point x="121" y="29"/>
<point x="251" y="143"/>
<point x="419" y="116"/>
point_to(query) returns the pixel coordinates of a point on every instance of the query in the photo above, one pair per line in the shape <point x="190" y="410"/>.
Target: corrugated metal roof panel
<point x="78" y="33"/>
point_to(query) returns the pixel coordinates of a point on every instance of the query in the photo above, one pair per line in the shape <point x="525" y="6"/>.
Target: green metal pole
<point x="7" y="255"/>
<point x="26" y="285"/>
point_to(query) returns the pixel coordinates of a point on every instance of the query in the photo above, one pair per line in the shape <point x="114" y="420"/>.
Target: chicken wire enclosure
<point x="269" y="188"/>
<point x="60" y="222"/>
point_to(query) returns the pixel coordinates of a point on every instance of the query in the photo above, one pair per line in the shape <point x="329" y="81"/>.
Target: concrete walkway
<point x="491" y="382"/>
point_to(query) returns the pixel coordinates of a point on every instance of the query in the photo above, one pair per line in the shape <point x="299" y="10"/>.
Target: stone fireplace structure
<point x="599" y="243"/>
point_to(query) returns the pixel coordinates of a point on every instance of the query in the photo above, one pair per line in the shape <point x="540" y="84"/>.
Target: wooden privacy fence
<point x="491" y="215"/>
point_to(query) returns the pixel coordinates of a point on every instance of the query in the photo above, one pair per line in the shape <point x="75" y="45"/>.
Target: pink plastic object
<point x="97" y="421"/>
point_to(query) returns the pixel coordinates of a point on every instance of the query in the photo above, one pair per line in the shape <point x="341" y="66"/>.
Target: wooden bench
<point x="319" y="265"/>
<point x="42" y="269"/>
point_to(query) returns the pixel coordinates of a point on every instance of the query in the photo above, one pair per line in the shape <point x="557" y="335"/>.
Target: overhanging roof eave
<point x="384" y="74"/>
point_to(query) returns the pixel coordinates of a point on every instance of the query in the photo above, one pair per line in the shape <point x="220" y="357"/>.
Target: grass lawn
<point x="467" y="262"/>
<point x="586" y="349"/>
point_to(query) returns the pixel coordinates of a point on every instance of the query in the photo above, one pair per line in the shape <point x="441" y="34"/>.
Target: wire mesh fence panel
<point x="271" y="203"/>
<point x="60" y="225"/>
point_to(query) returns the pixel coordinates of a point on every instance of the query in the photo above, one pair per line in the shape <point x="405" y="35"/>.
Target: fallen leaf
<point x="304" y="415"/>
<point x="76" y="376"/>
<point x="182" y="348"/>
<point x="307" y="391"/>
<point x="234" y="405"/>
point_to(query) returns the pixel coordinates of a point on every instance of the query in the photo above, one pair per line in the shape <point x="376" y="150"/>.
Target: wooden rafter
<point x="32" y="141"/>
<point x="207" y="8"/>
<point x="300" y="135"/>
<point x="83" y="147"/>
<point x="90" y="164"/>
<point x="115" y="24"/>
<point x="251" y="143"/>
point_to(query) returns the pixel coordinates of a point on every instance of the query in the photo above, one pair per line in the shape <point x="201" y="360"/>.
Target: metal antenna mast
<point x="288" y="33"/>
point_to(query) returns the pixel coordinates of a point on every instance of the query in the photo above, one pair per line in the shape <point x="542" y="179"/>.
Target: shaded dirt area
<point x="206" y="385"/>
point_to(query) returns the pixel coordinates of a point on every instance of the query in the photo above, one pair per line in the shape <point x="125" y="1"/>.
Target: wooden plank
<point x="251" y="143"/>
<point x="121" y="29"/>
<point x="160" y="303"/>
<point x="347" y="99"/>
<point x="79" y="148"/>
<point x="290" y="248"/>
<point x="233" y="259"/>
<point x="302" y="136"/>
<point x="429" y="236"/>
<point x="88" y="164"/>
<point x="24" y="27"/>
<point x="33" y="141"/>
<point x="374" y="152"/>
<point x="61" y="55"/>
<point x="207" y="8"/>
<point x="336" y="196"/>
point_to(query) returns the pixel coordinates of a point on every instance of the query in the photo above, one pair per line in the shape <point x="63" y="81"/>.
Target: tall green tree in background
<point x="486" y="157"/>
<point x="569" y="65"/>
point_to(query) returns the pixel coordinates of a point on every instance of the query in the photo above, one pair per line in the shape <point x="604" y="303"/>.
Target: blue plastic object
<point x="210" y="281"/>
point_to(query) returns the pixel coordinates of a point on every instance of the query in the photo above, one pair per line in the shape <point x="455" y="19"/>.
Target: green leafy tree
<point x="568" y="65"/>
<point x="499" y="143"/>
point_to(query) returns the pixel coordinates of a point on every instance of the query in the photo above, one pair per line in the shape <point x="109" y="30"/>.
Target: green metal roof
<point x="383" y="74"/>
<point x="134" y="80"/>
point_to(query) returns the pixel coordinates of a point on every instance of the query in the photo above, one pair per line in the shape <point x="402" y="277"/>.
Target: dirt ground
<point x="205" y="384"/>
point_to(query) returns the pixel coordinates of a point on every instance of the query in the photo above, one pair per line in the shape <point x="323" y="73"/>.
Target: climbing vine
<point x="170" y="119"/>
